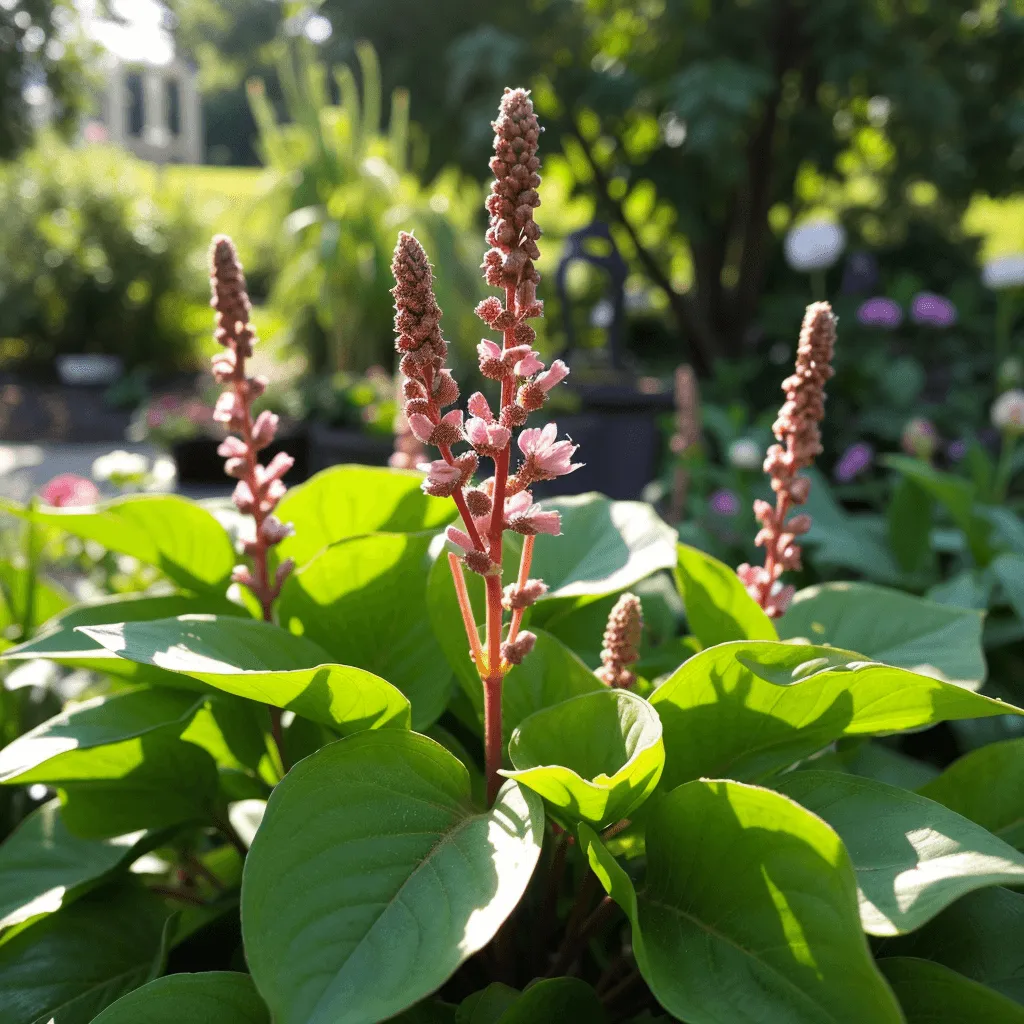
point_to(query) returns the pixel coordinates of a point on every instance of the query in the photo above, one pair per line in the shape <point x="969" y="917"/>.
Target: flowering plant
<point x="326" y="775"/>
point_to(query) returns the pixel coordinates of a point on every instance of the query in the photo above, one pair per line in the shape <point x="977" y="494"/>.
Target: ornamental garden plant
<point x="421" y="745"/>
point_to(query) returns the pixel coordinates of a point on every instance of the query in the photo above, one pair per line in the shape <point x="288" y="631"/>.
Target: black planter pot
<point x="332" y="446"/>
<point x="620" y="444"/>
<point x="199" y="464"/>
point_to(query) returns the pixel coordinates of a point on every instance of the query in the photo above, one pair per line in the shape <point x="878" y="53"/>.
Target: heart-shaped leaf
<point x="177" y="536"/>
<point x="60" y="641"/>
<point x="97" y="723"/>
<point x="749" y="912"/>
<point x="349" y="501"/>
<point x="341" y="599"/>
<point x="745" y="710"/>
<point x="930" y="993"/>
<point x="987" y="786"/>
<point x="217" y="997"/>
<point x="594" y="758"/>
<point x="262" y="662"/>
<point x="72" y="964"/>
<point x="44" y="867"/>
<point x="912" y="856"/>
<point x="980" y="936"/>
<point x="892" y="627"/>
<point x="718" y="607"/>
<point x="396" y="882"/>
<point x="555" y="999"/>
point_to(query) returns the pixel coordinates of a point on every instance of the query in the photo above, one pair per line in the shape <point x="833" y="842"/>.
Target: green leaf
<point x="718" y="607"/>
<point x="97" y="723"/>
<point x="891" y="627"/>
<point x="217" y="997"/>
<point x="749" y="912"/>
<point x="980" y="935"/>
<point x="555" y="999"/>
<point x="594" y="758"/>
<point x="348" y="501"/>
<point x="260" y="661"/>
<point x="44" y="867"/>
<point x="176" y="535"/>
<point x="1009" y="570"/>
<point x="487" y="1005"/>
<point x="364" y="600"/>
<point x="745" y="710"/>
<point x="396" y="882"/>
<point x="912" y="856"/>
<point x="72" y="964"/>
<point x="987" y="786"/>
<point x="930" y="994"/>
<point x="605" y="546"/>
<point x="909" y="518"/>
<point x="60" y="640"/>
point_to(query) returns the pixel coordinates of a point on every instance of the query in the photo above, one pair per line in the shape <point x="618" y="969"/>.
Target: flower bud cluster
<point x="799" y="437"/>
<point x="259" y="488"/>
<point x="621" y="642"/>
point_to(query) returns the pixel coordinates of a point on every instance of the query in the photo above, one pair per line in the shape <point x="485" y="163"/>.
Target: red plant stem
<point x="460" y="502"/>
<point x="466" y="608"/>
<point x="524" y="574"/>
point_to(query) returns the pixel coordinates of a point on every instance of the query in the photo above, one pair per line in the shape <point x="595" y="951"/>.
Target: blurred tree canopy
<point x="39" y="51"/>
<point x="703" y="129"/>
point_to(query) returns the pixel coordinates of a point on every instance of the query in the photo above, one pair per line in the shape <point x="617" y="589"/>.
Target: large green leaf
<point x="987" y="786"/>
<point x="69" y="966"/>
<point x="178" y="536"/>
<point x="262" y="662"/>
<point x="892" y="627"/>
<point x="749" y="912"/>
<point x="60" y="640"/>
<point x="43" y="866"/>
<point x="594" y="758"/>
<point x="912" y="856"/>
<point x="364" y="600"/>
<point x="980" y="936"/>
<point x="555" y="999"/>
<point x="397" y="880"/>
<point x="932" y="994"/>
<point x="1009" y="570"/>
<point x="605" y="546"/>
<point x="718" y="607"/>
<point x="349" y="501"/>
<point x="745" y="710"/>
<point x="96" y="723"/>
<point x="218" y="997"/>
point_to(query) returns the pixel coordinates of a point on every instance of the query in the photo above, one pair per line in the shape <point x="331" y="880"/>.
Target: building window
<point x="173" y="89"/>
<point x="136" y="104"/>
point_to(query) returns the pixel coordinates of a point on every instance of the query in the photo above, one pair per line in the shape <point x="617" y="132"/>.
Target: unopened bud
<point x="515" y="652"/>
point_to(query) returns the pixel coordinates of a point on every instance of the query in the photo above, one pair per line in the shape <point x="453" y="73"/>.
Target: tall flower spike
<point x="621" y="642"/>
<point x="259" y="488"/>
<point x="799" y="437"/>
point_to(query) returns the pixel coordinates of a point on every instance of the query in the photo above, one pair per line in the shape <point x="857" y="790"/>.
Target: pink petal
<point x="460" y="539"/>
<point x="528" y="366"/>
<point x="421" y="426"/>
<point x="488" y="350"/>
<point x="544" y="521"/>
<point x="530" y="440"/>
<point x="478" y="407"/>
<point x="558" y="372"/>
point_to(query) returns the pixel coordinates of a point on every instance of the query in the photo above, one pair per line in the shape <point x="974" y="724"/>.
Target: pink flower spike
<point x="421" y="426"/>
<point x="529" y="365"/>
<point x="479" y="408"/>
<point x="459" y="539"/>
<point x="558" y="372"/>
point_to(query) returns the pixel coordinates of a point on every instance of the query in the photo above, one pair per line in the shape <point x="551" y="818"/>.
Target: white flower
<point x="1004" y="271"/>
<point x="1008" y="412"/>
<point x="746" y="454"/>
<point x="814" y="245"/>
<point x="120" y="468"/>
<point x="163" y="475"/>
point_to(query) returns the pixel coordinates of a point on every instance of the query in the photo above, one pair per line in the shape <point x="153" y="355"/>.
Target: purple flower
<point x="956" y="450"/>
<point x="860" y="274"/>
<point x="932" y="310"/>
<point x="880" y="312"/>
<point x="853" y="461"/>
<point x="724" y="503"/>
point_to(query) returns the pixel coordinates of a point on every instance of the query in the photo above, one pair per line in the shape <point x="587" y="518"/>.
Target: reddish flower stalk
<point x="503" y="501"/>
<point x="259" y="488"/>
<point x="621" y="642"/>
<point x="799" y="438"/>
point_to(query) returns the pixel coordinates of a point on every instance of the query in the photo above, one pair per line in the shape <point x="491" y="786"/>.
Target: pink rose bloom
<point x="69" y="491"/>
<point x="547" y="458"/>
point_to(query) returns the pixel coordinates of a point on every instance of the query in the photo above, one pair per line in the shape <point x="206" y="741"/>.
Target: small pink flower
<point x="487" y="438"/>
<point x="488" y="350"/>
<point x="518" y="503"/>
<point x="227" y="409"/>
<point x="536" y="520"/>
<point x="529" y="365"/>
<point x="69" y="491"/>
<point x="460" y="539"/>
<point x="558" y="372"/>
<point x="264" y="430"/>
<point x="275" y="469"/>
<point x="421" y="426"/>
<point x="442" y="478"/>
<point x="479" y="408"/>
<point x="273" y="531"/>
<point x="546" y="458"/>
<point x="232" y="448"/>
